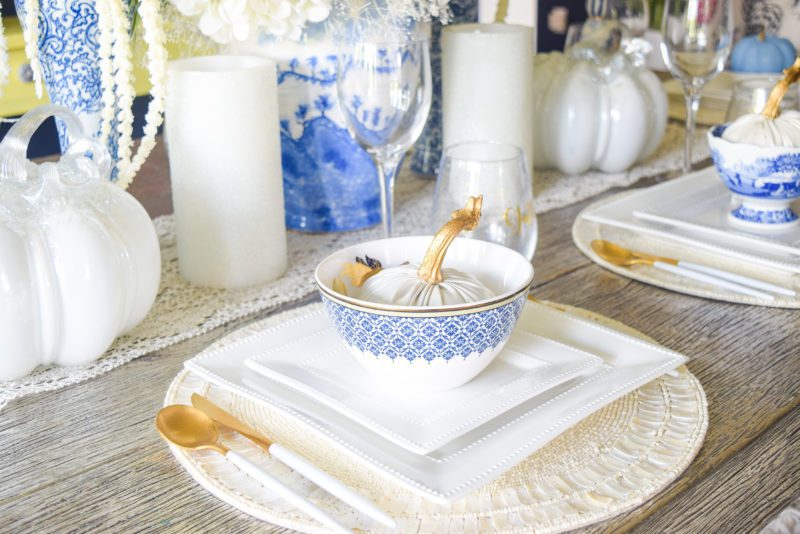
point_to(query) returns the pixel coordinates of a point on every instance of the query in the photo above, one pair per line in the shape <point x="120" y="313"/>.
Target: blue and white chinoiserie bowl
<point x="764" y="181"/>
<point x="425" y="348"/>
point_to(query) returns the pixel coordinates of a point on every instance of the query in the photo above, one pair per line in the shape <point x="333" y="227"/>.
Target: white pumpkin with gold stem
<point x="772" y="127"/>
<point x="427" y="284"/>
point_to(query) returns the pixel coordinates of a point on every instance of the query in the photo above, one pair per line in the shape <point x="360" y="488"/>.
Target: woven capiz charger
<point x="610" y="462"/>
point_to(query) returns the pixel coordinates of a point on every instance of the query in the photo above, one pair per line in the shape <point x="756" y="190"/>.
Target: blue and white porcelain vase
<point x="428" y="148"/>
<point x="69" y="55"/>
<point x="330" y="183"/>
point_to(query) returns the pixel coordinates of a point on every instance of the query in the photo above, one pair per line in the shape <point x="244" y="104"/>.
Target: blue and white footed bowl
<point x="764" y="181"/>
<point x="429" y="348"/>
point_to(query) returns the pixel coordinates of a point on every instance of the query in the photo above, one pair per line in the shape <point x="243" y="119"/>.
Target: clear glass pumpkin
<point x="79" y="257"/>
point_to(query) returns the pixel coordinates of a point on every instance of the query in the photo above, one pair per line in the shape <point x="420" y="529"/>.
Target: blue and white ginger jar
<point x="330" y="183"/>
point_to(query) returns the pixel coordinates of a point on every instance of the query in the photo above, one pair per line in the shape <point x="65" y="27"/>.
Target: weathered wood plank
<point x="156" y="496"/>
<point x="58" y="434"/>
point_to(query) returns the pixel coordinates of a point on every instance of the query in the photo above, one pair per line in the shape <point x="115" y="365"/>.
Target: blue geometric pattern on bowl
<point x="330" y="183"/>
<point x="776" y="177"/>
<point x="427" y="338"/>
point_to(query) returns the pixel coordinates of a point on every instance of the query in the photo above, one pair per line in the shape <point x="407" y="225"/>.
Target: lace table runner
<point x="182" y="311"/>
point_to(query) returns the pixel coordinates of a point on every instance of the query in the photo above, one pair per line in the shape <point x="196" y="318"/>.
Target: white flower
<point x="315" y="10"/>
<point x="233" y="20"/>
<point x="227" y="20"/>
<point x="190" y="8"/>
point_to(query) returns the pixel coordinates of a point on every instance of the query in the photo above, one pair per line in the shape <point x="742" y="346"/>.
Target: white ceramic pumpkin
<point x="595" y="111"/>
<point x="79" y="257"/>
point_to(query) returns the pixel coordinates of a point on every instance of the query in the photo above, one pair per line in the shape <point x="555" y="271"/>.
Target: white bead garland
<point x="152" y="24"/>
<point x="31" y="34"/>
<point x="123" y="81"/>
<point x="104" y="39"/>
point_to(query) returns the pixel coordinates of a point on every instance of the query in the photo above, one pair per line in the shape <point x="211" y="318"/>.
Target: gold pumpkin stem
<point x="790" y="75"/>
<point x="502" y="11"/>
<point x="466" y="218"/>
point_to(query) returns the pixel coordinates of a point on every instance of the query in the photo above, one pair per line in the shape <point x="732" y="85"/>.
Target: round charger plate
<point x="610" y="462"/>
<point x="585" y="231"/>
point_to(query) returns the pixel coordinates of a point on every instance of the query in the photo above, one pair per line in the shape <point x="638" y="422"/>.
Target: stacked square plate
<point x="693" y="210"/>
<point x="555" y="370"/>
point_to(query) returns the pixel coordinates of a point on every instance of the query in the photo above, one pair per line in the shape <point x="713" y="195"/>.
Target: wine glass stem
<point x="387" y="171"/>
<point x="692" y="95"/>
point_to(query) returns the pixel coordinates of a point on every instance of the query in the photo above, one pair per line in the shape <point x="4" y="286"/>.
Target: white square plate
<point x="704" y="208"/>
<point x="320" y="366"/>
<point x="485" y="452"/>
<point x="628" y="211"/>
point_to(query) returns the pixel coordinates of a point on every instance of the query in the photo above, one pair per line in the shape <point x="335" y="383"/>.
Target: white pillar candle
<point x="487" y="85"/>
<point x="223" y="143"/>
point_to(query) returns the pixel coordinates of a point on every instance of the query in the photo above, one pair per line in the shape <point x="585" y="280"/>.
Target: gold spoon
<point x="189" y="428"/>
<point x="617" y="255"/>
<point x="622" y="257"/>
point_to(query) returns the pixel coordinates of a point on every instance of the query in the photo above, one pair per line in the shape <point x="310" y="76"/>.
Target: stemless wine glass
<point x="750" y="96"/>
<point x="499" y="173"/>
<point x="384" y="88"/>
<point x="696" y="42"/>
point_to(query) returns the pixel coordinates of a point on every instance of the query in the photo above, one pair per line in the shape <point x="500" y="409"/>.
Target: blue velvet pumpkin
<point x="762" y="53"/>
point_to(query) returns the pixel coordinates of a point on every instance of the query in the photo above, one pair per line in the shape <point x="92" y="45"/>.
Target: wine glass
<point x="384" y="89"/>
<point x="499" y="173"/>
<point x="696" y="42"/>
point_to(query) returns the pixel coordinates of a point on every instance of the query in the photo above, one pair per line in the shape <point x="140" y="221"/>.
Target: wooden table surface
<point x="87" y="457"/>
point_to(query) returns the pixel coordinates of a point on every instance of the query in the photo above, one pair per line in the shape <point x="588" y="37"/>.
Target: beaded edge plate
<point x="608" y="463"/>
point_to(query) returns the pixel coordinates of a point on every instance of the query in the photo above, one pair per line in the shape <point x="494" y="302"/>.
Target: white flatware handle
<point x="330" y="484"/>
<point x="738" y="278"/>
<point x="712" y="280"/>
<point x="298" y="501"/>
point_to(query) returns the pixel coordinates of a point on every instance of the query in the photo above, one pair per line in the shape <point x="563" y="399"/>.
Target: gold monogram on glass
<point x="499" y="172"/>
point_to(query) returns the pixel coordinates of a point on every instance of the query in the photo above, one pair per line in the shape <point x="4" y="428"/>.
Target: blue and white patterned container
<point x="429" y="348"/>
<point x="765" y="180"/>
<point x="69" y="55"/>
<point x="330" y="183"/>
